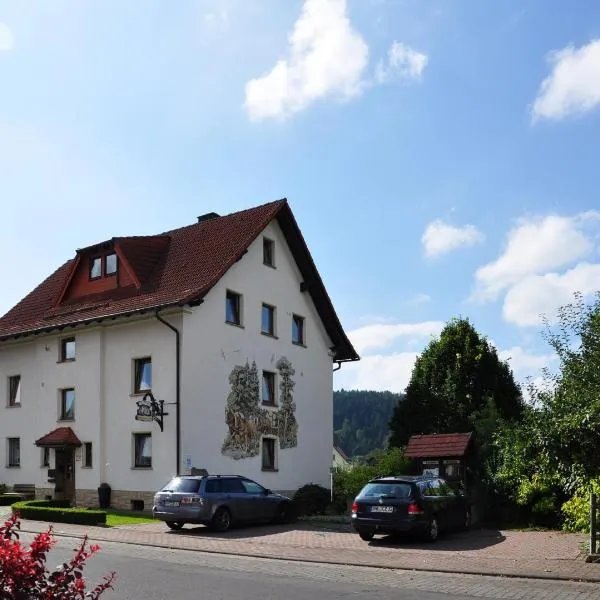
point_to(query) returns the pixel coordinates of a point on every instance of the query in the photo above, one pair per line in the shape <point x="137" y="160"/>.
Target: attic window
<point x="96" y="268"/>
<point x="111" y="264"/>
<point x="268" y="252"/>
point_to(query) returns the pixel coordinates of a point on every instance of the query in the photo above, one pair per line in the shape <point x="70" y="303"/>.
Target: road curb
<point x="461" y="571"/>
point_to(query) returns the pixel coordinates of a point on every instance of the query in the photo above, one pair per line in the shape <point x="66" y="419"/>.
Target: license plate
<point x="382" y="509"/>
<point x="171" y="503"/>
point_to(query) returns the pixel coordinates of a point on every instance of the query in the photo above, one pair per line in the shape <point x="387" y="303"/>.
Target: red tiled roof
<point x="63" y="436"/>
<point x="438" y="445"/>
<point x="176" y="268"/>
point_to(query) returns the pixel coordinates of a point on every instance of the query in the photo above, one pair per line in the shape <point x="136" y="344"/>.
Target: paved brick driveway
<point x="509" y="553"/>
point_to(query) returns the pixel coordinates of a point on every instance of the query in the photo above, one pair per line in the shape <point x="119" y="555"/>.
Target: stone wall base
<point x="119" y="499"/>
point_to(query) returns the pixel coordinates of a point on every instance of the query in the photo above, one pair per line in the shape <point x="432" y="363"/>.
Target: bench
<point x="25" y="490"/>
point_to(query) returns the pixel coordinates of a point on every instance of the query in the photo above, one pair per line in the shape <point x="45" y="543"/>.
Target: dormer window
<point x="96" y="268"/>
<point x="111" y="264"/>
<point x="103" y="266"/>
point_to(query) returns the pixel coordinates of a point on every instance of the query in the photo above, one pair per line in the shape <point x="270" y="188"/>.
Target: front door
<point x="65" y="474"/>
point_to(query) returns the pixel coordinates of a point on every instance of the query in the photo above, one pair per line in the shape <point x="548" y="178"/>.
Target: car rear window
<point x="389" y="490"/>
<point x="184" y="486"/>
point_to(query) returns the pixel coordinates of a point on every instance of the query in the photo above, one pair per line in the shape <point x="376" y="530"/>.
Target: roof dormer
<point x="113" y="267"/>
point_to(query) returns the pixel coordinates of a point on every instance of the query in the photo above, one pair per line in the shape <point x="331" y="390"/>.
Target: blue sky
<point x="441" y="157"/>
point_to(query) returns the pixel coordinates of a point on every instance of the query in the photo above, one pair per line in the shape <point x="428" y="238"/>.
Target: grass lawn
<point x="126" y="517"/>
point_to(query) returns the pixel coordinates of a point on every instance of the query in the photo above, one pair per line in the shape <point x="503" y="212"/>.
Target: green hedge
<point x="58" y="511"/>
<point x="8" y="499"/>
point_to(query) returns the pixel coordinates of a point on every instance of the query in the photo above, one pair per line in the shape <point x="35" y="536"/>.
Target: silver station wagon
<point x="218" y="501"/>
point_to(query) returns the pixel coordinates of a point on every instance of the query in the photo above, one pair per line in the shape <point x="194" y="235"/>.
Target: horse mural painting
<point x="247" y="421"/>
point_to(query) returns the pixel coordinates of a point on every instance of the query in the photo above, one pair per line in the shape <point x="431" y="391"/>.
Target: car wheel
<point x="284" y="513"/>
<point x="431" y="535"/>
<point x="175" y="525"/>
<point x="221" y="520"/>
<point x="467" y="522"/>
<point x="367" y="536"/>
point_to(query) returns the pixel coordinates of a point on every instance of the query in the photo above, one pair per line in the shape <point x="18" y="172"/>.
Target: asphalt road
<point x="158" y="573"/>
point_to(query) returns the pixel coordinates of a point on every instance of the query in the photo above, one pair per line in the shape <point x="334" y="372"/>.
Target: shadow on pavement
<point x="241" y="531"/>
<point x="447" y="542"/>
<point x="451" y="541"/>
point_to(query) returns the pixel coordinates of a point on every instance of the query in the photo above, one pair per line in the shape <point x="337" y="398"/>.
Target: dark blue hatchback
<point x="423" y="505"/>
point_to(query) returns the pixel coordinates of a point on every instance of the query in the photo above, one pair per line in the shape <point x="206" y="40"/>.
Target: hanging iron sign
<point x="150" y="409"/>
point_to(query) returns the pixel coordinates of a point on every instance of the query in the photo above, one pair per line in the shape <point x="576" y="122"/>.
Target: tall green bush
<point x="576" y="511"/>
<point x="347" y="483"/>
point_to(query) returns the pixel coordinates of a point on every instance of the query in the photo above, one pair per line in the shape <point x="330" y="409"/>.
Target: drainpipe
<point x="339" y="366"/>
<point x="178" y="388"/>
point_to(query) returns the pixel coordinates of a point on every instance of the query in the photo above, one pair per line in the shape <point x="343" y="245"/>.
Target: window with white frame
<point x="298" y="330"/>
<point x="267" y="321"/>
<point x="45" y="457"/>
<point x="142" y="375"/>
<point x="268" y="388"/>
<point x="233" y="308"/>
<point x="269" y="454"/>
<point x="14" y="390"/>
<point x="67" y="349"/>
<point x="87" y="455"/>
<point x="13" y="452"/>
<point x="67" y="404"/>
<point x="268" y="252"/>
<point x="142" y="450"/>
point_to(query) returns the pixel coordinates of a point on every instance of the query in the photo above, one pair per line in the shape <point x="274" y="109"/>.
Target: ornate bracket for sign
<point x="150" y="409"/>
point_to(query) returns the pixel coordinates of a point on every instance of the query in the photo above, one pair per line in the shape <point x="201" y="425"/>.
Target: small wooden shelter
<point x="442" y="455"/>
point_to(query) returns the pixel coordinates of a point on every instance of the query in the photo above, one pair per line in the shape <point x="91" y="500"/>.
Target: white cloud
<point x="535" y="246"/>
<point x="326" y="57"/>
<point x="573" y="86"/>
<point x="402" y="63"/>
<point x="440" y="238"/>
<point x="380" y="335"/>
<point x="379" y="372"/>
<point x="419" y="299"/>
<point x="538" y="295"/>
<point x="6" y="38"/>
<point x="526" y="364"/>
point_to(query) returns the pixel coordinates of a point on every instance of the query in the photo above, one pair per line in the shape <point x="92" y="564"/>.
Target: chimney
<point x="208" y="217"/>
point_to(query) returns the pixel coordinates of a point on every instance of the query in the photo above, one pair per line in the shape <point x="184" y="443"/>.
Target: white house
<point x="340" y="460"/>
<point x="207" y="347"/>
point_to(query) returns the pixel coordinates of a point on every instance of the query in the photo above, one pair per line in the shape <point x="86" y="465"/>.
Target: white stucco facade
<point x="102" y="376"/>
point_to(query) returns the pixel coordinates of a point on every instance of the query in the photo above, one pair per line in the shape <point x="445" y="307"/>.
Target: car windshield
<point x="386" y="490"/>
<point x="185" y="486"/>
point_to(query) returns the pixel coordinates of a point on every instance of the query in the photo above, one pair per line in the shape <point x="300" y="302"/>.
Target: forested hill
<point x="361" y="420"/>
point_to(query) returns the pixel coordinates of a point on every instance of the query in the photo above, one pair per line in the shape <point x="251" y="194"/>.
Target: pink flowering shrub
<point x="24" y="575"/>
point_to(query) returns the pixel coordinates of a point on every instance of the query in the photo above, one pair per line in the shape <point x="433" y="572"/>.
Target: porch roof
<point x="58" y="438"/>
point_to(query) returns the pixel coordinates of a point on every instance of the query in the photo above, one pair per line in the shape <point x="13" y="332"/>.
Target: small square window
<point x="268" y="252"/>
<point x="268" y="454"/>
<point x="45" y="457"/>
<point x="87" y="455"/>
<point x="142" y="375"/>
<point x="142" y="450"/>
<point x="14" y="390"/>
<point x="67" y="404"/>
<point x="14" y="452"/>
<point x="67" y="349"/>
<point x="268" y="319"/>
<point x="233" y="308"/>
<point x="298" y="330"/>
<point x="111" y="264"/>
<point x="96" y="268"/>
<point x="268" y="388"/>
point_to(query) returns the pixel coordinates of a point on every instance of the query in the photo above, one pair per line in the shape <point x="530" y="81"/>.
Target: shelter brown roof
<point x="438" y="445"/>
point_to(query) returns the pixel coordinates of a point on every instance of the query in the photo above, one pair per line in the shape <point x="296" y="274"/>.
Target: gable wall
<point x="212" y="348"/>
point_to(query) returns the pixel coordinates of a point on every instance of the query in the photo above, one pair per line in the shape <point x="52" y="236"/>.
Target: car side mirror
<point x="267" y="492"/>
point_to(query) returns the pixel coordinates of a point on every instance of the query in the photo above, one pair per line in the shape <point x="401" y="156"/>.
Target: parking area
<point x="481" y="551"/>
